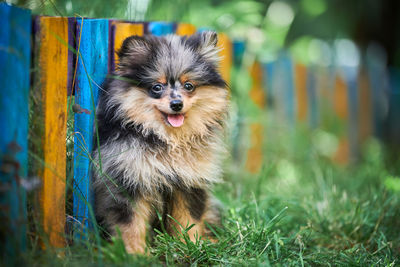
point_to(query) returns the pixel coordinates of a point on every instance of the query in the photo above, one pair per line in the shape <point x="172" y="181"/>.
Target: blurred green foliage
<point x="266" y="24"/>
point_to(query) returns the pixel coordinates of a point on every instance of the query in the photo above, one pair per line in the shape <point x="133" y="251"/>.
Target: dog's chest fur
<point x="153" y="165"/>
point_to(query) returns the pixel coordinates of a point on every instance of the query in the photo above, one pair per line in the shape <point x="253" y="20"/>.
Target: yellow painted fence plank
<point x="122" y="31"/>
<point x="185" y="29"/>
<point x="53" y="65"/>
<point x="226" y="54"/>
<point x="301" y="92"/>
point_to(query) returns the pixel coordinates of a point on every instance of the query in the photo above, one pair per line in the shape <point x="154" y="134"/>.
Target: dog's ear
<point x="205" y="43"/>
<point x="209" y="38"/>
<point x="134" y="46"/>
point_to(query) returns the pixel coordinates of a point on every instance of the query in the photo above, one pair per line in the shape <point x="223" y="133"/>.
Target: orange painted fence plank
<point x="227" y="56"/>
<point x="341" y="99"/>
<point x="301" y="92"/>
<point x="340" y="105"/>
<point x="121" y="30"/>
<point x="257" y="95"/>
<point x="53" y="71"/>
<point x="256" y="92"/>
<point x="185" y="29"/>
<point x="365" y="116"/>
<point x="255" y="153"/>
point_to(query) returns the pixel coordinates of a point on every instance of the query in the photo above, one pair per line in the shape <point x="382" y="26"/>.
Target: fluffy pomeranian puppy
<point x="160" y="125"/>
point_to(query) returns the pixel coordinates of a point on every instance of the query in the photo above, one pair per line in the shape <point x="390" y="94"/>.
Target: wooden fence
<point x="352" y="103"/>
<point x="72" y="56"/>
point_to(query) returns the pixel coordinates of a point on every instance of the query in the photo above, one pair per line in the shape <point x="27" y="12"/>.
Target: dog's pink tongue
<point x="176" y="120"/>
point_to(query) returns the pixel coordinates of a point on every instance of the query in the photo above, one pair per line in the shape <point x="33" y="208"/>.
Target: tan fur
<point x="182" y="219"/>
<point x="134" y="233"/>
<point x="212" y="217"/>
<point x="162" y="80"/>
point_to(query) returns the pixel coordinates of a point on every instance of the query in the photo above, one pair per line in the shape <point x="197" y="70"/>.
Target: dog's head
<point x="171" y="85"/>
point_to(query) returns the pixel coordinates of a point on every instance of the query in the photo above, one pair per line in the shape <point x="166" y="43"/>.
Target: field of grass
<point x="300" y="210"/>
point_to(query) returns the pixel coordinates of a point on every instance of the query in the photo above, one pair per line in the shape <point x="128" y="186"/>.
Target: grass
<point x="300" y="210"/>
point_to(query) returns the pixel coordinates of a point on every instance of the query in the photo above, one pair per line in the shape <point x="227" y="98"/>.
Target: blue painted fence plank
<point x="379" y="80"/>
<point x="312" y="97"/>
<point x="351" y="76"/>
<point x="15" y="55"/>
<point x="268" y="79"/>
<point x="161" y="28"/>
<point x="239" y="47"/>
<point x="91" y="71"/>
<point x="283" y="88"/>
<point x="393" y="117"/>
<point x="287" y="65"/>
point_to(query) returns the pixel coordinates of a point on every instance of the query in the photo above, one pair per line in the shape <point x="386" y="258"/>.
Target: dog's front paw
<point x="137" y="249"/>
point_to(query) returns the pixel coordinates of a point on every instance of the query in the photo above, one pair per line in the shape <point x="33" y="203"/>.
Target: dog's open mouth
<point x="175" y="120"/>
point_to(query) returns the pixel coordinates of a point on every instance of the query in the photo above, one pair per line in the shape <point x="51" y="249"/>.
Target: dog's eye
<point x="188" y="86"/>
<point x="157" y="88"/>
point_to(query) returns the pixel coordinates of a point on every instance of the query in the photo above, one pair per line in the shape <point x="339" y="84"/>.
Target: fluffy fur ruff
<point x="160" y="123"/>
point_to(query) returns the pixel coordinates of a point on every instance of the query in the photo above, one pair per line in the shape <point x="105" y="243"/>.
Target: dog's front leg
<point x="187" y="208"/>
<point x="135" y="231"/>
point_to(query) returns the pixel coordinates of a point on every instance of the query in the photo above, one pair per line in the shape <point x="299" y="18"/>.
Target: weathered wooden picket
<point x="14" y="93"/>
<point x="92" y="68"/>
<point x="74" y="55"/>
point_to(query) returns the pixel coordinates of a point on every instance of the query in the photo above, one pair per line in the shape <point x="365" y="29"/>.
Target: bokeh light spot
<point x="314" y="7"/>
<point x="347" y="53"/>
<point x="280" y="13"/>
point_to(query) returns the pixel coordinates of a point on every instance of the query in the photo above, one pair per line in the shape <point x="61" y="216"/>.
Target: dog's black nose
<point x="176" y="105"/>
